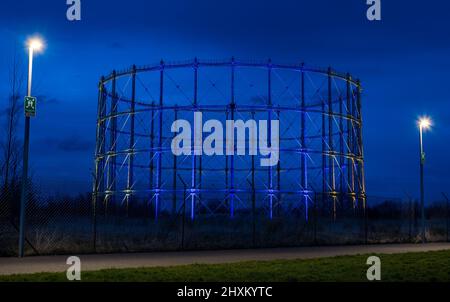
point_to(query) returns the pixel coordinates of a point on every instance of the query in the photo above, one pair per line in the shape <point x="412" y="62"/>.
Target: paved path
<point x="101" y="261"/>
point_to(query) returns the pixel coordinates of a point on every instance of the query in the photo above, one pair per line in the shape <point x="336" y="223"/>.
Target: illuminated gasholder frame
<point x="321" y="150"/>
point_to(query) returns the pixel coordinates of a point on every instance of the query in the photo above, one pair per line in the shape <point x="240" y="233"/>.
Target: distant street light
<point x="34" y="45"/>
<point x="424" y="124"/>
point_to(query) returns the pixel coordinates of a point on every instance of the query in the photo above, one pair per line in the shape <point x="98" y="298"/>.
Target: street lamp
<point x="34" y="45"/>
<point x="424" y="124"/>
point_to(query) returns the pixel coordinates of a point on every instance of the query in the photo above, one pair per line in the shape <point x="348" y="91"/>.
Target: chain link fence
<point x="57" y="224"/>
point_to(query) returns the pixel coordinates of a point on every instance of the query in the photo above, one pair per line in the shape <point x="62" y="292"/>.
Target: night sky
<point x="403" y="62"/>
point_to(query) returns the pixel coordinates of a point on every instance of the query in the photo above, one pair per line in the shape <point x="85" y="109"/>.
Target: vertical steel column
<point x="341" y="151"/>
<point x="200" y="160"/>
<point x="152" y="152"/>
<point x="269" y="122"/>
<point x="99" y="155"/>
<point x="174" y="175"/>
<point x="253" y="196"/>
<point x="199" y="183"/>
<point x="103" y="181"/>
<point x="362" y="193"/>
<point x="112" y="145"/>
<point x="160" y="132"/>
<point x="194" y="158"/>
<point x="324" y="156"/>
<point x="232" y="108"/>
<point x="350" y="160"/>
<point x="303" y="169"/>
<point x="278" y="175"/>
<point x="227" y="188"/>
<point x="354" y="147"/>
<point x="361" y="181"/>
<point x="130" y="177"/>
<point x="101" y="139"/>
<point x="330" y="144"/>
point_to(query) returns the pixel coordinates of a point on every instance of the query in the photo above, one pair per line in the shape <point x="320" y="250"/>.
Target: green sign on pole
<point x="30" y="106"/>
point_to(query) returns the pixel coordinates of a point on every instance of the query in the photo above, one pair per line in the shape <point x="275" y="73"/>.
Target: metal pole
<point x="26" y="144"/>
<point x="94" y="210"/>
<point x="324" y="158"/>
<point x="330" y="144"/>
<point x="183" y="219"/>
<point x="253" y="197"/>
<point x="278" y="176"/>
<point x="199" y="183"/>
<point x="152" y="153"/>
<point x="99" y="149"/>
<point x="131" y="146"/>
<point x="422" y="195"/>
<point x="361" y="177"/>
<point x="200" y="161"/>
<point x="160" y="130"/>
<point x="174" y="179"/>
<point x="194" y="146"/>
<point x="350" y="162"/>
<point x="102" y="138"/>
<point x="227" y="189"/>
<point x="315" y="217"/>
<point x="410" y="217"/>
<point x="446" y="213"/>
<point x="232" y="108"/>
<point x="269" y="100"/>
<point x="341" y="155"/>
<point x="112" y="147"/>
<point x="30" y="70"/>
<point x="304" y="173"/>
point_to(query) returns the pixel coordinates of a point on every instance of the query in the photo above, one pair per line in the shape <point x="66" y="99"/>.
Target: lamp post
<point x="424" y="124"/>
<point x="34" y="44"/>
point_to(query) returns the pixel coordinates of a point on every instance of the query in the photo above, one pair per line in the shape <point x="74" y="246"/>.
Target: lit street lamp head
<point x="35" y="44"/>
<point x="424" y="123"/>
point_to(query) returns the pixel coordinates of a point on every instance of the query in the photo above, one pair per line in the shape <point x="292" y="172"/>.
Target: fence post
<point x="446" y="214"/>
<point x="183" y="219"/>
<point x="94" y="222"/>
<point x="410" y="218"/>
<point x="315" y="218"/>
<point x="366" y="222"/>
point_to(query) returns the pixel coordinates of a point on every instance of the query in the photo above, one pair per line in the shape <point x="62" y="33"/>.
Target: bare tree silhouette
<point x="10" y="143"/>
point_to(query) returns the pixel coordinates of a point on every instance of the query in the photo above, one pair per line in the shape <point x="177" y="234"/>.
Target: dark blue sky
<point x="403" y="62"/>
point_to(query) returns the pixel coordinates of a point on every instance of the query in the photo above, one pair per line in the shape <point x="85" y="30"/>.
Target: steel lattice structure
<point x="321" y="146"/>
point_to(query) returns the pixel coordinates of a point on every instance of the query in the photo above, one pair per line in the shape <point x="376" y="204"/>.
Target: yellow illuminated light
<point x="35" y="44"/>
<point x="424" y="123"/>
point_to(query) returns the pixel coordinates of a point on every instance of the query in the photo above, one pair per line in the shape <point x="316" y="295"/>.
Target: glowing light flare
<point x="36" y="44"/>
<point x="424" y="122"/>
